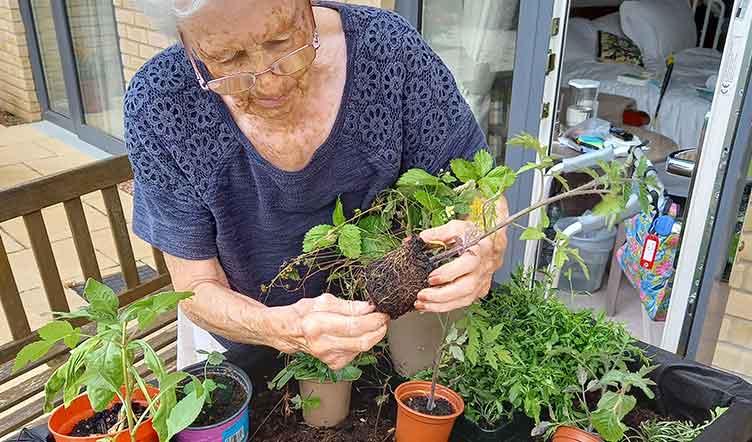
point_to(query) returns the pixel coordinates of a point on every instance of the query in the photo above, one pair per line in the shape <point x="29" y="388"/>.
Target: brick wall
<point x="17" y="92"/>
<point x="734" y="349"/>
<point x="139" y="41"/>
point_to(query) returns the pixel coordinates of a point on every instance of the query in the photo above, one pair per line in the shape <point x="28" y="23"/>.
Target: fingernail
<point x="419" y="305"/>
<point x="435" y="280"/>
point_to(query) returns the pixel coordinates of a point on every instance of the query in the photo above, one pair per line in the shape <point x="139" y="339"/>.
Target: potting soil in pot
<point x="276" y="422"/>
<point x="420" y="404"/>
<point x="226" y="401"/>
<point x="103" y="421"/>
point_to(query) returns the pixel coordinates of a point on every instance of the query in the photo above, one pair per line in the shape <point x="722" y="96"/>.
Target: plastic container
<point x="595" y="249"/>
<point x="63" y="420"/>
<point x="515" y="430"/>
<point x="334" y="404"/>
<point x="570" y="434"/>
<point x="234" y="428"/>
<point x="413" y="426"/>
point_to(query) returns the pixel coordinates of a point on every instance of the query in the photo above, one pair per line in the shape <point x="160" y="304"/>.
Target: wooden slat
<point x="53" y="189"/>
<point x="9" y="351"/>
<point x="11" y="300"/>
<point x="24" y="390"/>
<point x="33" y="411"/>
<point x="74" y="210"/>
<point x="120" y="236"/>
<point x="159" y="260"/>
<point x="40" y="245"/>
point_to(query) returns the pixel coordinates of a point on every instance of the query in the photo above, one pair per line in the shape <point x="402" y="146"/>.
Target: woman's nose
<point x="270" y="85"/>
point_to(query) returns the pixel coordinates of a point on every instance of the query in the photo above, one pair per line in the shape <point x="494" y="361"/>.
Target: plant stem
<point x="127" y="399"/>
<point x="436" y="361"/>
<point x="585" y="189"/>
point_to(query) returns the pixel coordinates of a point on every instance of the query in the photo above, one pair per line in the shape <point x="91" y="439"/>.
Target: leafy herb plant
<point x="103" y="364"/>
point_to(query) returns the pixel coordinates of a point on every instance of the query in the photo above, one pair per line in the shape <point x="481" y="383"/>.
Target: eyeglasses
<point x="290" y="64"/>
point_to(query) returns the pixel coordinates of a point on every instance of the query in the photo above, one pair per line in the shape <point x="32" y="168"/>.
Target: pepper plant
<point x="103" y="364"/>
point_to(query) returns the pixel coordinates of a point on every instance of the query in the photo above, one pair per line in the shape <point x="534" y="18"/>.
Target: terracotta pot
<point x="571" y="434"/>
<point x="414" y="339"/>
<point x="63" y="420"/>
<point x="413" y="426"/>
<point x="334" y="404"/>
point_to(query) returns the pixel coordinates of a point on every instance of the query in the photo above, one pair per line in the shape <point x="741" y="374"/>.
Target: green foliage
<point x="307" y="404"/>
<point x="304" y="367"/>
<point x="103" y="364"/>
<point x="674" y="431"/>
<point x="523" y="350"/>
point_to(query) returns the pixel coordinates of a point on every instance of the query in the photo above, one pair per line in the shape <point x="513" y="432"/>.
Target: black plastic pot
<point x="515" y="430"/>
<point x="233" y="428"/>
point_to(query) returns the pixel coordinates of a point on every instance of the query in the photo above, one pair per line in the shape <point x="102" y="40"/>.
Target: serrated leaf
<point x="349" y="373"/>
<point x="527" y="167"/>
<point x="609" y="205"/>
<point x="350" y="241"/>
<point x="571" y="389"/>
<point x="532" y="234"/>
<point x="464" y="170"/>
<point x="319" y="237"/>
<point x="483" y="163"/>
<point x="417" y="177"/>
<point x="31" y="353"/>
<point x="541" y="429"/>
<point x="582" y="375"/>
<point x="457" y="353"/>
<point x="338" y="218"/>
<point x="372" y="224"/>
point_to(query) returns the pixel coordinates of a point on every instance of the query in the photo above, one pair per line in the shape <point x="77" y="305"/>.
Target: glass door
<point x="77" y="68"/>
<point x="502" y="73"/>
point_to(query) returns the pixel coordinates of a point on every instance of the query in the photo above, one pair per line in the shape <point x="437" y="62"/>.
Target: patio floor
<point x="27" y="152"/>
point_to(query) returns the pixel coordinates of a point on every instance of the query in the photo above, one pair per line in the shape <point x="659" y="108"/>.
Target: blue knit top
<point x="203" y="191"/>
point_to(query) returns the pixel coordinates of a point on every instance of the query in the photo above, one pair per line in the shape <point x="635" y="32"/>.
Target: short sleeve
<point x="438" y="124"/>
<point x="168" y="211"/>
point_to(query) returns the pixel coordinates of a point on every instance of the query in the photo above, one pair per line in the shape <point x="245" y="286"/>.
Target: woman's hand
<point x="467" y="278"/>
<point x="333" y="330"/>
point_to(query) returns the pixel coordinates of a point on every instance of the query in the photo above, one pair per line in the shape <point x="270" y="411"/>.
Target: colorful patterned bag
<point x="653" y="284"/>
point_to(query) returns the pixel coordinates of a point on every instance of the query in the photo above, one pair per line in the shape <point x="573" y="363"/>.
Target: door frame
<point x="700" y="262"/>
<point x="77" y="121"/>
<point x="528" y="84"/>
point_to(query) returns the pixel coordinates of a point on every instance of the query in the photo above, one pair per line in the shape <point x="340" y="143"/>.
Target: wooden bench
<point x="21" y="394"/>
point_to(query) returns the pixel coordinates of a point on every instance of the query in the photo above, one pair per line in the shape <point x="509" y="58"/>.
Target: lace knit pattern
<point x="202" y="191"/>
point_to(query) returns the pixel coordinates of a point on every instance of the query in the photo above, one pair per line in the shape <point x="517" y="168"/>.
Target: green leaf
<point x="100" y="391"/>
<point x="350" y="241"/>
<point x="464" y="170"/>
<point x="417" y="177"/>
<point x="184" y="413"/>
<point x="350" y="373"/>
<point x="372" y="224"/>
<point x="52" y="388"/>
<point x="528" y="142"/>
<point x="55" y="330"/>
<point x="103" y="303"/>
<point x="498" y="180"/>
<point x="319" y="237"/>
<point x="527" y="167"/>
<point x="167" y="401"/>
<point x="607" y="419"/>
<point x="375" y="246"/>
<point x="107" y="360"/>
<point x="610" y="205"/>
<point x="427" y="200"/>
<point x="545" y="221"/>
<point x="338" y="218"/>
<point x="215" y="358"/>
<point x="152" y="359"/>
<point x="31" y="353"/>
<point x="457" y="353"/>
<point x="532" y="234"/>
<point x="483" y="163"/>
<point x="490" y="335"/>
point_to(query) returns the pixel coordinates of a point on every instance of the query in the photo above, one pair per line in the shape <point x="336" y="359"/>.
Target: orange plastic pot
<point x="571" y="434"/>
<point x="413" y="426"/>
<point x="63" y="420"/>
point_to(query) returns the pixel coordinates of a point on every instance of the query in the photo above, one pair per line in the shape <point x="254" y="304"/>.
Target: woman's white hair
<point x="165" y="14"/>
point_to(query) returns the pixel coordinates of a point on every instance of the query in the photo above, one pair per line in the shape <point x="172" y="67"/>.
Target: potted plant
<point x="228" y="390"/>
<point x="427" y="411"/>
<point x="324" y="396"/>
<point x="118" y="403"/>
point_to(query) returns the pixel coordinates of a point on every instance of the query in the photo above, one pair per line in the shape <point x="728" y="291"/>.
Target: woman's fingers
<point x="331" y="304"/>
<point x="446" y="233"/>
<point x="460" y="288"/>
<point x="467" y="263"/>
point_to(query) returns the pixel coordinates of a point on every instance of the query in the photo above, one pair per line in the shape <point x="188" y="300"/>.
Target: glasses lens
<point x="234" y="84"/>
<point x="295" y="62"/>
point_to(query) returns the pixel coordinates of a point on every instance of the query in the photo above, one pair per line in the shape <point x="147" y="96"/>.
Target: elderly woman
<point x="243" y="136"/>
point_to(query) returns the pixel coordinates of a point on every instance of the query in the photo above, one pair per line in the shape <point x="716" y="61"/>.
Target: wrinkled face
<point x="235" y="36"/>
